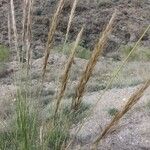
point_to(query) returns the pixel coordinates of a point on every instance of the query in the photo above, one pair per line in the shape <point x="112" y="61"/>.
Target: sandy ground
<point x="133" y="132"/>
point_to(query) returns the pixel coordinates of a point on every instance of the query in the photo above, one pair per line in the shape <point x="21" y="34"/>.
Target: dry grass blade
<point x="91" y="64"/>
<point x="134" y="98"/>
<point x="70" y="18"/>
<point x="29" y="33"/>
<point x="51" y="35"/>
<point x="9" y="31"/>
<point x="66" y="72"/>
<point x="24" y="21"/>
<point x="14" y="28"/>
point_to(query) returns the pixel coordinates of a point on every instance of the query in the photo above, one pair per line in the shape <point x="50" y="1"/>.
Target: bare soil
<point x="133" y="17"/>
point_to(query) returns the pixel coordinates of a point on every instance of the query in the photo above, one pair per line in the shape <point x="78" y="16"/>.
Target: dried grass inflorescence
<point x="91" y="64"/>
<point x="27" y="31"/>
<point x="134" y="98"/>
<point x="14" y="28"/>
<point x="67" y="69"/>
<point x="51" y="35"/>
<point x="71" y="18"/>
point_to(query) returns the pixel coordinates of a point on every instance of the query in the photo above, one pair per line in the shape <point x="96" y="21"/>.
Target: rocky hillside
<point x="132" y="19"/>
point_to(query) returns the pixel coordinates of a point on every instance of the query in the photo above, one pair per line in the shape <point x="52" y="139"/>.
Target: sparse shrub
<point x="105" y="3"/>
<point x="96" y="87"/>
<point x="112" y="111"/>
<point x="38" y="12"/>
<point x="123" y="82"/>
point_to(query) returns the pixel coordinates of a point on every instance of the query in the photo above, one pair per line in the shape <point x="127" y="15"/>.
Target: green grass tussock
<point x="4" y="53"/>
<point x="81" y="52"/>
<point x="141" y="54"/>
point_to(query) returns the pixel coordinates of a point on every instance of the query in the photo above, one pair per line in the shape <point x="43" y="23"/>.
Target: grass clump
<point x="26" y="123"/>
<point x="57" y="137"/>
<point x="57" y="129"/>
<point x="76" y="116"/>
<point x="96" y="87"/>
<point x="4" y="53"/>
<point x="7" y="140"/>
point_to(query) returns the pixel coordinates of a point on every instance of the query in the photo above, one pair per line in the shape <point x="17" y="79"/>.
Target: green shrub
<point x="80" y="53"/>
<point x="112" y="111"/>
<point x="4" y="53"/>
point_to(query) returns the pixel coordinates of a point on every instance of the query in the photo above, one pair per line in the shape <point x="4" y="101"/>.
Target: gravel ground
<point x="133" y="131"/>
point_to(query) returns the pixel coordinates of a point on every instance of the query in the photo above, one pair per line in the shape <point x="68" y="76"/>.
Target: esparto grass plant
<point x="28" y="133"/>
